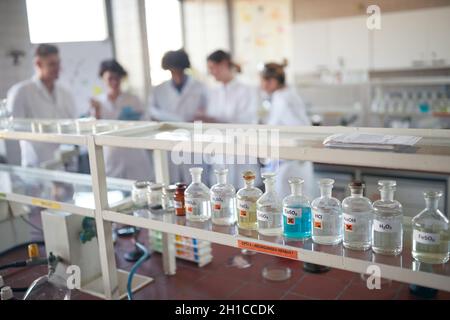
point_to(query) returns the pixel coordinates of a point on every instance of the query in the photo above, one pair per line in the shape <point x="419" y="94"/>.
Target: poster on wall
<point x="262" y="34"/>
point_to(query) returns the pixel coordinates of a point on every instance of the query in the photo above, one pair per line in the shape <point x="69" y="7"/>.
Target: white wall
<point x="13" y="36"/>
<point x="407" y="39"/>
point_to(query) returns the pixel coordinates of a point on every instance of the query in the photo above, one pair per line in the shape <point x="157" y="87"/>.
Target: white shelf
<point x="64" y="191"/>
<point x="432" y="153"/>
<point x="402" y="268"/>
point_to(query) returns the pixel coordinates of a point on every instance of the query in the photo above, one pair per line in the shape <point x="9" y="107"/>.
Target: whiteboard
<point x="80" y="62"/>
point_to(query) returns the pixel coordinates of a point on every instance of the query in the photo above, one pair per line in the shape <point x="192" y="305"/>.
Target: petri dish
<point x="276" y="272"/>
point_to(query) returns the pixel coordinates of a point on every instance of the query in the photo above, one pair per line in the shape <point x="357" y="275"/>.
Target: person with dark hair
<point x="41" y="97"/>
<point x="286" y="109"/>
<point x="182" y="97"/>
<point x="232" y="101"/>
<point x="116" y="104"/>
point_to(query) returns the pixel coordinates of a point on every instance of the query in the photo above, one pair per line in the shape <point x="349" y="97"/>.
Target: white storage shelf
<point x="432" y="155"/>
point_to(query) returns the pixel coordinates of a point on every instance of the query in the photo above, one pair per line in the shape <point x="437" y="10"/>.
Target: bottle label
<point x="190" y="205"/>
<point x="426" y="238"/>
<point x="387" y="226"/>
<point x="349" y="222"/>
<point x="318" y="220"/>
<point x="244" y="208"/>
<point x="262" y="216"/>
<point x="217" y="203"/>
<point x="291" y="214"/>
<point x="178" y="204"/>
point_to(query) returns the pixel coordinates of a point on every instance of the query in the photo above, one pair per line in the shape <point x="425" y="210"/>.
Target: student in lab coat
<point x="41" y="97"/>
<point x="230" y="102"/>
<point x="182" y="97"/>
<point x="179" y="99"/>
<point x="115" y="104"/>
<point x="286" y="109"/>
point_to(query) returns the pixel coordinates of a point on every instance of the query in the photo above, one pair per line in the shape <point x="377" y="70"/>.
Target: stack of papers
<point x="370" y="141"/>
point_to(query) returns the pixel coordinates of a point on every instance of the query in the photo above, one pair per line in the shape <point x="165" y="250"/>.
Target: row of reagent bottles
<point x="358" y="223"/>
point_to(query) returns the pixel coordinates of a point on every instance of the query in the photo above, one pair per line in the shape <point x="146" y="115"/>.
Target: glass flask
<point x="246" y="202"/>
<point x="431" y="232"/>
<point x="223" y="200"/>
<point x="196" y="198"/>
<point x="269" y="208"/>
<point x="296" y="211"/>
<point x="357" y="216"/>
<point x="168" y="201"/>
<point x="139" y="194"/>
<point x="326" y="215"/>
<point x="154" y="196"/>
<point x="387" y="229"/>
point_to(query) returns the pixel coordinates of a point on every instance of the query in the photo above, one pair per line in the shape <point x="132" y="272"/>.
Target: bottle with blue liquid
<point x="296" y="212"/>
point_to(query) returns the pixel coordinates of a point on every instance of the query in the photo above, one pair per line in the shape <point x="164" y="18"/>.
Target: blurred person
<point x="231" y="101"/>
<point x="41" y="97"/>
<point x="181" y="97"/>
<point x="114" y="104"/>
<point x="286" y="109"/>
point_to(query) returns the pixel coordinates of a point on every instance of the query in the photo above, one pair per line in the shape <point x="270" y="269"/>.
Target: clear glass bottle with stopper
<point x="269" y="208"/>
<point x="431" y="232"/>
<point x="197" y="198"/>
<point x="387" y="229"/>
<point x="327" y="215"/>
<point x="223" y="200"/>
<point x="246" y="202"/>
<point x="357" y="216"/>
<point x="296" y="212"/>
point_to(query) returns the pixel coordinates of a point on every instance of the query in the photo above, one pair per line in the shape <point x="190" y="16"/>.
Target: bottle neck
<point x="249" y="183"/>
<point x="387" y="195"/>
<point x="269" y="186"/>
<point x="221" y="178"/>
<point x="432" y="203"/>
<point x="325" y="191"/>
<point x="196" y="178"/>
<point x="356" y="192"/>
<point x="296" y="189"/>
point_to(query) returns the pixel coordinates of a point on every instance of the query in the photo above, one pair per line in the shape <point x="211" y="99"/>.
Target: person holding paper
<point x="115" y="104"/>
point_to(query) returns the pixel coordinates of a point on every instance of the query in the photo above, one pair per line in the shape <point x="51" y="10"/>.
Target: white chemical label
<point x="244" y="207"/>
<point x="318" y="220"/>
<point x="350" y="222"/>
<point x="190" y="205"/>
<point x="291" y="214"/>
<point x="426" y="238"/>
<point x="387" y="226"/>
<point x="262" y="216"/>
<point x="217" y="203"/>
<point x="178" y="204"/>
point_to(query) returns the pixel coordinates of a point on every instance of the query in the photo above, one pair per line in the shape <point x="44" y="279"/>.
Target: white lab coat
<point x="125" y="163"/>
<point x="234" y="102"/>
<point x="288" y="109"/>
<point x="168" y="104"/>
<point x="31" y="99"/>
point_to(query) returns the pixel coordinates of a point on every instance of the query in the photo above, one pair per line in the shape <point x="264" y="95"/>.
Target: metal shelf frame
<point x="432" y="155"/>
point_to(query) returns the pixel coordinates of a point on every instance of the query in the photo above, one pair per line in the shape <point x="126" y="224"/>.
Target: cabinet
<point x="412" y="39"/>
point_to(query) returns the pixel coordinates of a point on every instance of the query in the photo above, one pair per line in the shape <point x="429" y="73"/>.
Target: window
<point x="66" y="20"/>
<point x="164" y="33"/>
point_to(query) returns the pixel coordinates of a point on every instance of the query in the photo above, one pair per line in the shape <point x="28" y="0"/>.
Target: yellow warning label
<point x="45" y="203"/>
